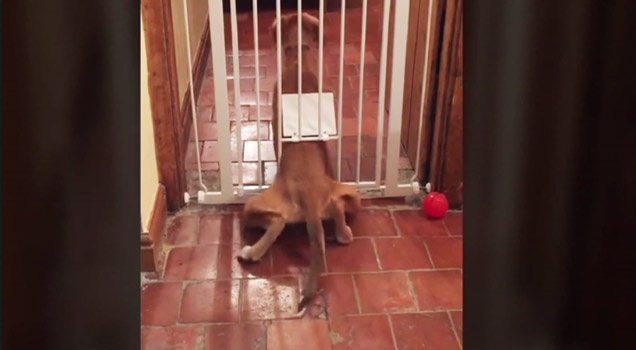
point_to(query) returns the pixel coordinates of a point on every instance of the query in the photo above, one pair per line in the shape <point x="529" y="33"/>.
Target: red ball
<point x="435" y="205"/>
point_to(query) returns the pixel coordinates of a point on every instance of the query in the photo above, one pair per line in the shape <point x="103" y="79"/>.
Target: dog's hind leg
<point x="264" y="210"/>
<point x="348" y="196"/>
<point x="343" y="231"/>
<point x="256" y="252"/>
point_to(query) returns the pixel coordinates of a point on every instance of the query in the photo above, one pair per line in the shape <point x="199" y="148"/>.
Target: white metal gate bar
<point x="381" y="94"/>
<point x="237" y="96"/>
<point x="279" y="85"/>
<point x="217" y="40"/>
<point x="258" y="91"/>
<point x="340" y="91"/>
<point x="321" y="18"/>
<point x="400" y="33"/>
<point x="300" y="60"/>
<point x="361" y="86"/>
<point x="391" y="188"/>
<point x="192" y="102"/>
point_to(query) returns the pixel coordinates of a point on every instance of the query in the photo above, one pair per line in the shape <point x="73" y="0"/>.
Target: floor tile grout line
<point x="198" y="228"/>
<point x="240" y="300"/>
<point x="181" y="296"/>
<point x="403" y="312"/>
<point x="165" y="248"/>
<point x="392" y="331"/>
<point x="291" y="317"/>
<point x="394" y="270"/>
<point x="450" y="318"/>
<point x="375" y="252"/>
<point x="446" y="227"/>
<point x="205" y="324"/>
<point x="205" y="338"/>
<point x="165" y="264"/>
<point x="297" y="275"/>
<point x="355" y="292"/>
<point x="395" y="225"/>
<point x="401" y="207"/>
<point x="212" y="324"/>
<point x="266" y="324"/>
<point x="163" y="277"/>
<point x="404" y="207"/>
<point x="329" y="240"/>
<point x="409" y="285"/>
<point x="373" y="236"/>
<point x="220" y="209"/>
<point x="428" y="251"/>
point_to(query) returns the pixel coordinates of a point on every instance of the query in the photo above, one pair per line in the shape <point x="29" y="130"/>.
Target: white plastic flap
<point x="309" y="120"/>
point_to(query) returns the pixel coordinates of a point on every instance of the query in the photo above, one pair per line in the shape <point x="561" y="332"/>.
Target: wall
<point x="197" y="13"/>
<point x="149" y="175"/>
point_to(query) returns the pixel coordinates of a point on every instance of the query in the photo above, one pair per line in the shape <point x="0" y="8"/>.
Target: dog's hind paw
<point x="246" y="254"/>
<point x="345" y="237"/>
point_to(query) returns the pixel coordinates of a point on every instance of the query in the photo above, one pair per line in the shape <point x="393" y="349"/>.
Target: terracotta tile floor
<point x="207" y="128"/>
<point x="397" y="286"/>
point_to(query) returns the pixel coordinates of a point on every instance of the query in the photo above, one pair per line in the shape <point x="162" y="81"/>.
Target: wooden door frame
<point x="438" y="163"/>
<point x="416" y="52"/>
<point x="447" y="82"/>
<point x="164" y="99"/>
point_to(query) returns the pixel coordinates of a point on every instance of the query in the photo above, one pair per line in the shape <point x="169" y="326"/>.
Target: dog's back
<point x="304" y="172"/>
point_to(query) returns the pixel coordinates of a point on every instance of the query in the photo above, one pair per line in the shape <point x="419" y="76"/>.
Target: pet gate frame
<point x="368" y="189"/>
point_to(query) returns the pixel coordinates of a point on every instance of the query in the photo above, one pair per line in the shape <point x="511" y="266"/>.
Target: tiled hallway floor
<point x="397" y="286"/>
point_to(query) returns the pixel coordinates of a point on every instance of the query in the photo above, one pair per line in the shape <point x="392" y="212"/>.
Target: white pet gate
<point x="381" y="187"/>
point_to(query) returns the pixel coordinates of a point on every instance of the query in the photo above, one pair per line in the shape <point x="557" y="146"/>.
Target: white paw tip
<point x="348" y="233"/>
<point x="245" y="253"/>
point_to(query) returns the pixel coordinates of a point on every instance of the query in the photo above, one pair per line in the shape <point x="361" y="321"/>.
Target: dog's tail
<point x="316" y="237"/>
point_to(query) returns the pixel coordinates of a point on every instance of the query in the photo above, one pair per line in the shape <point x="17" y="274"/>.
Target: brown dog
<point x="289" y="48"/>
<point x="304" y="189"/>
